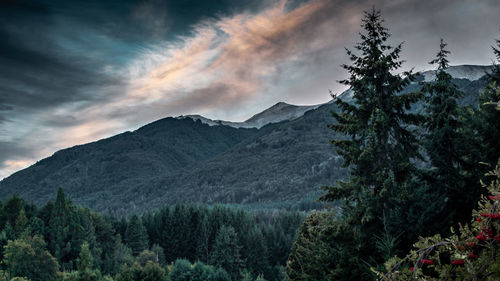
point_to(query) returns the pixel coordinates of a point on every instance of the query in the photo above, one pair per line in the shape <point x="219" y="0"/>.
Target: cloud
<point x="73" y="73"/>
<point x="239" y="53"/>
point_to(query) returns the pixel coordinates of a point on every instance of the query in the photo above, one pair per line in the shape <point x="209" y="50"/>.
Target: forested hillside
<point x="183" y="160"/>
<point x="60" y="241"/>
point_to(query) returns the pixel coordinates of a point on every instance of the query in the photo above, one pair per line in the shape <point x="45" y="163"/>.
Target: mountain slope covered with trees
<point x="184" y="160"/>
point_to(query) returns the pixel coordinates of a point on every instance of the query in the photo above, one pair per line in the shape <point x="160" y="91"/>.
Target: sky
<point x="73" y="72"/>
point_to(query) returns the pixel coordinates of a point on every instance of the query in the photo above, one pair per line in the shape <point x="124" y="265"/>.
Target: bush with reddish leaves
<point x="471" y="253"/>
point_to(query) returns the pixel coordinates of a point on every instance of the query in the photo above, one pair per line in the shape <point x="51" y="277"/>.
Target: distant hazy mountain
<point x="279" y="155"/>
<point x="277" y="113"/>
<point x="468" y="72"/>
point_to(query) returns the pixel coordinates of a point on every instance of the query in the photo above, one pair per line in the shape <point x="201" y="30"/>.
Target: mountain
<point x="468" y="72"/>
<point x="277" y="113"/>
<point x="279" y="157"/>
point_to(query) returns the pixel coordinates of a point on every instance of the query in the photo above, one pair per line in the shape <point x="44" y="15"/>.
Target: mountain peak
<point x="279" y="112"/>
<point x="469" y="72"/>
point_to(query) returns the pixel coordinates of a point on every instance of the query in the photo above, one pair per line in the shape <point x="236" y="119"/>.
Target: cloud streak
<point x="110" y="77"/>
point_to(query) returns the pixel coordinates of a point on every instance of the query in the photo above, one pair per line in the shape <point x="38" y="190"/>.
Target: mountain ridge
<point x="278" y="112"/>
<point x="175" y="160"/>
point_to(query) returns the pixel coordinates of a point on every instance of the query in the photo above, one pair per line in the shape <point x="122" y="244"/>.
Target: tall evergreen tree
<point x="488" y="116"/>
<point x="380" y="144"/>
<point x="136" y="236"/>
<point x="21" y="224"/>
<point x="255" y="251"/>
<point x="202" y="245"/>
<point x="85" y="260"/>
<point x="85" y="264"/>
<point x="444" y="142"/>
<point x="58" y="230"/>
<point x="226" y="252"/>
<point x="11" y="210"/>
<point x="380" y="148"/>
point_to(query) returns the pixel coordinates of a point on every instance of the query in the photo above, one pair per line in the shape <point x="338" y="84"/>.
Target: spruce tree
<point x="226" y="252"/>
<point x="21" y="224"/>
<point x="202" y="245"/>
<point x="380" y="144"/>
<point x="58" y="230"/>
<point x="85" y="260"/>
<point x="136" y="236"/>
<point x="11" y="210"/>
<point x="444" y="142"/>
<point x="380" y="149"/>
<point x="488" y="116"/>
<point x="84" y="264"/>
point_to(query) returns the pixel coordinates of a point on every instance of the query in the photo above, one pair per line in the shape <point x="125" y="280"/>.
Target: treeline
<point x="411" y="174"/>
<point x="61" y="241"/>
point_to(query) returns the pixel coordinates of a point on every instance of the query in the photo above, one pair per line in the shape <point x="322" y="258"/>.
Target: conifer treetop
<point x="441" y="57"/>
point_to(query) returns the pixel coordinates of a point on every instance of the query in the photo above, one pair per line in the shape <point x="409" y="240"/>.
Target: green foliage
<point x="469" y="254"/>
<point x="181" y="271"/>
<point x="147" y="256"/>
<point x="11" y="209"/>
<point x="487" y="125"/>
<point x="89" y="245"/>
<point x="19" y="279"/>
<point x="136" y="236"/>
<point x="221" y="275"/>
<point x="380" y="147"/>
<point x="325" y="249"/>
<point x="201" y="272"/>
<point x="29" y="258"/>
<point x="84" y="265"/>
<point x="85" y="260"/>
<point x="452" y="161"/>
<point x="150" y="272"/>
<point x="226" y="252"/>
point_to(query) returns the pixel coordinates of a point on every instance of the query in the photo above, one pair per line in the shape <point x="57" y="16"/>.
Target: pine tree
<point x="201" y="272"/>
<point x="11" y="209"/>
<point x="181" y="271"/>
<point x="136" y="236"/>
<point x="21" y="223"/>
<point x="495" y="75"/>
<point x="380" y="149"/>
<point x="442" y="122"/>
<point x="202" y="245"/>
<point x="380" y="144"/>
<point x="313" y="256"/>
<point x="68" y="227"/>
<point x="84" y="264"/>
<point x="85" y="260"/>
<point x="226" y="252"/>
<point x="488" y="116"/>
<point x="444" y="142"/>
<point x="58" y="231"/>
<point x="256" y="254"/>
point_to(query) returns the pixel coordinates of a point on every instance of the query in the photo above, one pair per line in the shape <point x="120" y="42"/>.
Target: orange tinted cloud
<point x="238" y="53"/>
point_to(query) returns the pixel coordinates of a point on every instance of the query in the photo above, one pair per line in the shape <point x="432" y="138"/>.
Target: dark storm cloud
<point x="36" y="72"/>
